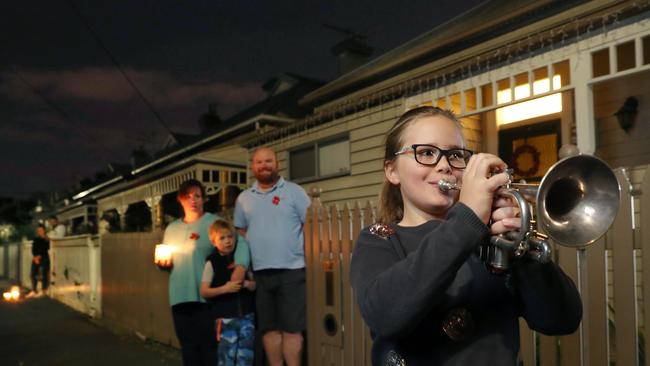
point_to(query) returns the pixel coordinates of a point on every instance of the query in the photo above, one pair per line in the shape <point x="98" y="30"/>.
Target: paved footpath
<point x="45" y="332"/>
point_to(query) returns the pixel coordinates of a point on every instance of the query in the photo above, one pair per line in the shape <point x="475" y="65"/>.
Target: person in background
<point x="57" y="229"/>
<point x="421" y="287"/>
<point x="233" y="303"/>
<point x="190" y="243"/>
<point x="271" y="214"/>
<point x="40" y="262"/>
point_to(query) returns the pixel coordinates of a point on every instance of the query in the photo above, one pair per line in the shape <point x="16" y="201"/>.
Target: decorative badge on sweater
<point x="276" y="200"/>
<point x="194" y="236"/>
<point x="381" y="230"/>
<point x="458" y="324"/>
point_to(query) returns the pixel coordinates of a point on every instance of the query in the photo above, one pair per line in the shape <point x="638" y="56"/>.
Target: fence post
<point x="347" y="300"/>
<point x="624" y="281"/>
<point x="311" y="236"/>
<point x="94" y="274"/>
<point x="645" y="254"/>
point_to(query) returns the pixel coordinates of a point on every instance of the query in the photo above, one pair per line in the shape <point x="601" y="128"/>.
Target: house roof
<point x="281" y="103"/>
<point x="485" y="21"/>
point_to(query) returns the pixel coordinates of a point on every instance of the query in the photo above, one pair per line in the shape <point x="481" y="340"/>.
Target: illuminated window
<point x="441" y="103"/>
<point x="470" y="100"/>
<point x="486" y="94"/>
<point x="532" y="108"/>
<point x="454" y="100"/>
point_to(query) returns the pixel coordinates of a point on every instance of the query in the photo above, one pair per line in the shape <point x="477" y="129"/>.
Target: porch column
<point x="121" y="210"/>
<point x="584" y="102"/>
<point x="103" y="225"/>
<point x="155" y="207"/>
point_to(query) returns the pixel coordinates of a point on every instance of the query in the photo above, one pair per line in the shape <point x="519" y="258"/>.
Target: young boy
<point x="233" y="304"/>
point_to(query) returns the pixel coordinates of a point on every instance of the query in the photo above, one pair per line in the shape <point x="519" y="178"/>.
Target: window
<point x="600" y="62"/>
<point x="322" y="159"/>
<point x="532" y="108"/>
<point x="625" y="56"/>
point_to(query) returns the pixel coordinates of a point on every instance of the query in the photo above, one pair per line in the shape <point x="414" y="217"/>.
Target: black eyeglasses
<point x="431" y="155"/>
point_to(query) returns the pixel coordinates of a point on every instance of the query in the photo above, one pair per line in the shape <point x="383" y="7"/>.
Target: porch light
<point x="532" y="108"/>
<point x="626" y="115"/>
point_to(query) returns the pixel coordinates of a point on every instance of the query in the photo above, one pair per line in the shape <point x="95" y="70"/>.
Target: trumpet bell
<point x="577" y="200"/>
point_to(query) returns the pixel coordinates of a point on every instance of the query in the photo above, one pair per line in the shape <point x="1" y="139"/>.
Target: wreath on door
<point x="525" y="151"/>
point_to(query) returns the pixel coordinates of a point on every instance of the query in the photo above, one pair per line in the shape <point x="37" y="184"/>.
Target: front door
<point x="530" y="150"/>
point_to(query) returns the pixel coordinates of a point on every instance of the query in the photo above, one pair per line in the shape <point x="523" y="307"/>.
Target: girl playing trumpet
<point x="421" y="288"/>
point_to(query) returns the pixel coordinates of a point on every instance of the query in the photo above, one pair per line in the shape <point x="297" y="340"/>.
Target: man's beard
<point x="267" y="179"/>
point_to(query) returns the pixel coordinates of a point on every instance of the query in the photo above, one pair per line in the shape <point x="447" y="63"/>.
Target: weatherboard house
<point x="525" y="77"/>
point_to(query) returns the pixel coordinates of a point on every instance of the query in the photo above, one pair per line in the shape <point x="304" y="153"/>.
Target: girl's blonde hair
<point x="391" y="206"/>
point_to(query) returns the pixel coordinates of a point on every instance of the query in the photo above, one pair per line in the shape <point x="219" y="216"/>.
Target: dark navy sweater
<point x="405" y="298"/>
<point x="232" y="305"/>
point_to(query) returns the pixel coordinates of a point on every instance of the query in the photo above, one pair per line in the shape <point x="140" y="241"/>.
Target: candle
<point x="163" y="255"/>
<point x="7" y="296"/>
<point x="15" y="292"/>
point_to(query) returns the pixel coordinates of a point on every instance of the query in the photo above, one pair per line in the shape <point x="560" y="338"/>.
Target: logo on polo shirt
<point x="276" y="200"/>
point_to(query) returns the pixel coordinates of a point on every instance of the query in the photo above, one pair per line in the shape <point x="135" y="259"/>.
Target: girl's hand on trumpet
<point x="480" y="183"/>
<point x="505" y="216"/>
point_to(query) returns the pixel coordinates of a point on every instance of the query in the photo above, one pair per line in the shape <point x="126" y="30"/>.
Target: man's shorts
<point x="281" y="300"/>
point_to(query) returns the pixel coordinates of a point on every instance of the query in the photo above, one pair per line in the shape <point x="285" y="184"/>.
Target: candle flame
<point x="12" y="295"/>
<point x="15" y="292"/>
<point x="163" y="252"/>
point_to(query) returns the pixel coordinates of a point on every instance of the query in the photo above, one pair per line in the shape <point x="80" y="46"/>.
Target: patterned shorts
<point x="236" y="338"/>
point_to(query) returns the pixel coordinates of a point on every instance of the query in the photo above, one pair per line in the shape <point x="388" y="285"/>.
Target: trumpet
<point x="574" y="205"/>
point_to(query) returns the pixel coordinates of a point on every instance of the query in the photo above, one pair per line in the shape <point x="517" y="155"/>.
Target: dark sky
<point x="181" y="55"/>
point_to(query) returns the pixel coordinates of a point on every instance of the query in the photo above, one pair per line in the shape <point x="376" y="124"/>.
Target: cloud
<point x="10" y="133"/>
<point x="109" y="85"/>
<point x="33" y="127"/>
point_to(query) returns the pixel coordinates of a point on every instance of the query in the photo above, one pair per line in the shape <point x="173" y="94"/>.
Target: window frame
<point x="315" y="145"/>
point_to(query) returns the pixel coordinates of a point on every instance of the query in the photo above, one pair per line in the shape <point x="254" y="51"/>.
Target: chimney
<point x="352" y="52"/>
<point x="210" y="121"/>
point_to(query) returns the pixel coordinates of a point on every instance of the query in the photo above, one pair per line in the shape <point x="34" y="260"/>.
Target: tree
<point x="16" y="212"/>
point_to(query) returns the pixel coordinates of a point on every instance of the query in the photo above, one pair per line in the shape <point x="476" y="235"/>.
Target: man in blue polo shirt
<point x="271" y="214"/>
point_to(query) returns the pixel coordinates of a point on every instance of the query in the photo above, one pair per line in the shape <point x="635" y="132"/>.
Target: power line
<point x="119" y="67"/>
<point x="61" y="112"/>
